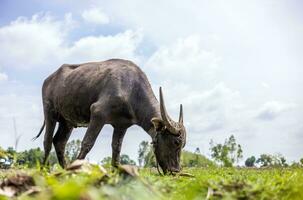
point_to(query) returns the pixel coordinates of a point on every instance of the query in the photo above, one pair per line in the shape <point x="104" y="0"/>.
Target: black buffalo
<point x="114" y="92"/>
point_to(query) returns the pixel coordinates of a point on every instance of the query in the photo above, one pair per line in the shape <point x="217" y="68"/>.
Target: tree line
<point x="230" y="152"/>
<point x="33" y="157"/>
<point x="227" y="154"/>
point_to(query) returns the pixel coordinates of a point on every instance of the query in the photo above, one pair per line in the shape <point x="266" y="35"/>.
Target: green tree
<point x="250" y="162"/>
<point x="150" y="159"/>
<point x="266" y="160"/>
<point x="31" y="157"/>
<point x="144" y="148"/>
<point x="282" y="161"/>
<point x="3" y="153"/>
<point x="146" y="157"/>
<point x="34" y="157"/>
<point x="301" y="161"/>
<point x="72" y="150"/>
<point x="228" y="153"/>
<point x="11" y="151"/>
<point x="189" y="159"/>
<point x="106" y="162"/>
<point x="126" y="160"/>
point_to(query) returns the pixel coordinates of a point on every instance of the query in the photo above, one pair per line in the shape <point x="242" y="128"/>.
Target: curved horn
<point x="170" y="124"/>
<point x="181" y="114"/>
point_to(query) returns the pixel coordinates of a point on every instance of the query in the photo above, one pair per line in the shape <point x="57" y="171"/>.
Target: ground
<point x="205" y="183"/>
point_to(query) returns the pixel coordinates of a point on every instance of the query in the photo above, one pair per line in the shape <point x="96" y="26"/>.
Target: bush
<point x="189" y="159"/>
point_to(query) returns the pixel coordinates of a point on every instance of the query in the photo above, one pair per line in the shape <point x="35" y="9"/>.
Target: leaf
<point x="83" y="166"/>
<point x="186" y="174"/>
<point x="16" y="185"/>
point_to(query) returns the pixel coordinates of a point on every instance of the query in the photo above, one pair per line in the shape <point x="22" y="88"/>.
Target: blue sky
<point x="235" y="66"/>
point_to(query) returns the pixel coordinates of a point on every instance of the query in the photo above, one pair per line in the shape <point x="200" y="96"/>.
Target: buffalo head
<point x="169" y="140"/>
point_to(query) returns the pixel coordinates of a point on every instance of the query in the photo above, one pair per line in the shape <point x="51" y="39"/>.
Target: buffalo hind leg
<point x="95" y="125"/>
<point x="50" y="125"/>
<point x="117" y="139"/>
<point x="60" y="139"/>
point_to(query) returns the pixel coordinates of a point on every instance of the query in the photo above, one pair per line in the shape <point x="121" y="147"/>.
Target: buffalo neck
<point x="150" y="109"/>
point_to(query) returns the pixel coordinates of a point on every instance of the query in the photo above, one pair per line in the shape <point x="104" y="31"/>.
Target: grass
<point x="211" y="183"/>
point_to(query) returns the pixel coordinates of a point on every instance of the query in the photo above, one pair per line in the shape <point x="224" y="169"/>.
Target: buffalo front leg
<point x="60" y="139"/>
<point x="95" y="125"/>
<point x="118" y="136"/>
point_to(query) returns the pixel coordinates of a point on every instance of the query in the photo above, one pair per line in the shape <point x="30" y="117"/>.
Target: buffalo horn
<point x="172" y="126"/>
<point x="181" y="115"/>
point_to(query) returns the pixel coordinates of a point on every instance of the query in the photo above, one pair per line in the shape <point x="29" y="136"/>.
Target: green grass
<point x="216" y="183"/>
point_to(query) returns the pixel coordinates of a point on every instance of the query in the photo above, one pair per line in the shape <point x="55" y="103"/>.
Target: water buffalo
<point x="115" y="92"/>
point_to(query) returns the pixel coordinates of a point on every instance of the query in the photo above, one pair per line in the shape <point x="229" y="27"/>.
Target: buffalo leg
<point x="95" y="125"/>
<point x="60" y="139"/>
<point x="50" y="125"/>
<point x="118" y="136"/>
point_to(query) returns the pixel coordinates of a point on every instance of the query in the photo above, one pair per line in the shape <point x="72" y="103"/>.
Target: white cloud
<point x="271" y="110"/>
<point x="30" y="42"/>
<point x="3" y="77"/>
<point x="188" y="74"/>
<point x="185" y="61"/>
<point x="121" y="45"/>
<point x="265" y="85"/>
<point x="27" y="112"/>
<point x="191" y="73"/>
<point x="42" y="41"/>
<point x="95" y="16"/>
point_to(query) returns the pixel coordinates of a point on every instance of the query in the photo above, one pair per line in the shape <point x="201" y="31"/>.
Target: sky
<point x="236" y="66"/>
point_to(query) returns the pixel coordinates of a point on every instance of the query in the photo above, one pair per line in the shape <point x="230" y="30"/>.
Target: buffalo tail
<point x="39" y="131"/>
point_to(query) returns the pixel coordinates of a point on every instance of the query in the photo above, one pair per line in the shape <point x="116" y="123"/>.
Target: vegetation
<point x="30" y="157"/>
<point x="72" y="150"/>
<point x="3" y="153"/>
<point x="266" y="160"/>
<point x="144" y="149"/>
<point x="147" y="159"/>
<point x="189" y="159"/>
<point x="201" y="178"/>
<point x="124" y="160"/>
<point x="206" y="183"/>
<point x="250" y="162"/>
<point x="226" y="154"/>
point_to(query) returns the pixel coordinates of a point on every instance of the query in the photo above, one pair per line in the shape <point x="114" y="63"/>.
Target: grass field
<point x="207" y="183"/>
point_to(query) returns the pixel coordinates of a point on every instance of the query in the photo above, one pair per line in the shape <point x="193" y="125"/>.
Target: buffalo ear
<point x="158" y="123"/>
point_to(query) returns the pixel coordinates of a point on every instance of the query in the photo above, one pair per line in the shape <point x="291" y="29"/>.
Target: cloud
<point x="185" y="61"/>
<point x="3" y="77"/>
<point x="43" y="41"/>
<point x="214" y="107"/>
<point x="95" y="16"/>
<point x="30" y="42"/>
<point x="187" y="71"/>
<point x="265" y="85"/>
<point x="27" y="112"/>
<point x="273" y="109"/>
<point x="121" y="45"/>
